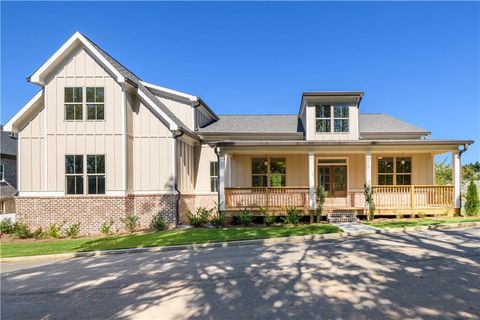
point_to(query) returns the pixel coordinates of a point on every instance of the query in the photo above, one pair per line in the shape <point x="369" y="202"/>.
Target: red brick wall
<point x="192" y="201"/>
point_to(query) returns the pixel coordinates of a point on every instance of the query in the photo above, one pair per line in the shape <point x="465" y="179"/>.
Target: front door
<point x="333" y="179"/>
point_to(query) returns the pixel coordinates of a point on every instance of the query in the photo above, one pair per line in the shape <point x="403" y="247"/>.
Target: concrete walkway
<point x="355" y="227"/>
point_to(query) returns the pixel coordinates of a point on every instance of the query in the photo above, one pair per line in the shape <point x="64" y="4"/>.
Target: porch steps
<point x="342" y="217"/>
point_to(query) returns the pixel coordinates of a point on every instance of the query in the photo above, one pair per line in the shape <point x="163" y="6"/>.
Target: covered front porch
<point x="403" y="181"/>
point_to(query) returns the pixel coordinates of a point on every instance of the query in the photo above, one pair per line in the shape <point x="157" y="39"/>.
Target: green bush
<point x="245" y="218"/>
<point x="159" y="223"/>
<point x="6" y="226"/>
<point x="55" y="230"/>
<point x="217" y="220"/>
<point x="39" y="233"/>
<point x="73" y="230"/>
<point x="22" y="231"/>
<point x="106" y="228"/>
<point x="472" y="205"/>
<point x="199" y="219"/>
<point x="268" y="218"/>
<point x="130" y="222"/>
<point x="292" y="216"/>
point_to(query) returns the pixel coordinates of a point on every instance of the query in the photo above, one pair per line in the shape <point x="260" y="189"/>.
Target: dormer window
<point x="332" y="117"/>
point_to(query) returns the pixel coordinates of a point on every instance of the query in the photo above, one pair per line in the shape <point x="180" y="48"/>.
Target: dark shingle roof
<point x="369" y="123"/>
<point x="6" y="190"/>
<point x="380" y="122"/>
<point x="8" y="145"/>
<point x="264" y="123"/>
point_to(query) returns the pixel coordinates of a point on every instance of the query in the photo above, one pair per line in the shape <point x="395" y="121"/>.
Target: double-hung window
<point x="74" y="174"/>
<point x="385" y="171"/>
<point x="95" y="103"/>
<point x="74" y="103"/>
<point x="96" y="174"/>
<point x="332" y="118"/>
<point x="268" y="172"/>
<point x="404" y="171"/>
<point x="394" y="171"/>
<point x="213" y="176"/>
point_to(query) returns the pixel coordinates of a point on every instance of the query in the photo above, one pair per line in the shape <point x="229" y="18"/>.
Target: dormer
<point x="330" y="115"/>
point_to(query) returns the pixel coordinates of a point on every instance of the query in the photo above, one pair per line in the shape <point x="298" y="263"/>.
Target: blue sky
<point x="416" y="61"/>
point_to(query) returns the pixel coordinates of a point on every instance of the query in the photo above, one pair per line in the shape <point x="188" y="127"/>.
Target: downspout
<point x="465" y="148"/>
<point x="216" y="150"/>
<point x="175" y="184"/>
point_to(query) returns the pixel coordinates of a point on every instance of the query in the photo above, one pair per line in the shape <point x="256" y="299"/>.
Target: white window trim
<point x="332" y="120"/>
<point x="394" y="174"/>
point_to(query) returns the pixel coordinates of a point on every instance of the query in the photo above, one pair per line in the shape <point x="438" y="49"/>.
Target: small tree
<point x="369" y="200"/>
<point x="320" y="201"/>
<point x="472" y="205"/>
<point x="443" y="173"/>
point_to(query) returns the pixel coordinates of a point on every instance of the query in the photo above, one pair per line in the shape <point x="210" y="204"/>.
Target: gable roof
<point x="261" y="123"/>
<point x="372" y="123"/>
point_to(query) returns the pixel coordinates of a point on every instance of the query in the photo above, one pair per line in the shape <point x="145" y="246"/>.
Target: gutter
<point x="175" y="183"/>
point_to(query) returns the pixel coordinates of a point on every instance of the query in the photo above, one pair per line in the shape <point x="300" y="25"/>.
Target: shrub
<point x="198" y="219"/>
<point x="398" y="215"/>
<point x="368" y="191"/>
<point x="321" y="195"/>
<point x="159" y="223"/>
<point x="292" y="216"/>
<point x="39" y="233"/>
<point x="421" y="214"/>
<point x="106" y="228"/>
<point x="130" y="222"/>
<point x="472" y="205"/>
<point x="22" y="231"/>
<point x="268" y="218"/>
<point x="55" y="230"/>
<point x="6" y="226"/>
<point x="218" y="220"/>
<point x="73" y="230"/>
<point x="245" y="218"/>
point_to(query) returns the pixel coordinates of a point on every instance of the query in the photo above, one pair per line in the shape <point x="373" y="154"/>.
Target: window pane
<point x="258" y="166"/>
<point x="404" y="165"/>
<point x="92" y="184"/>
<point x="213" y="184"/>
<point x="78" y="185"/>
<point x="101" y="184"/>
<point x="91" y="112"/>
<point x="404" y="179"/>
<point x="70" y="185"/>
<point x="277" y="165"/>
<point x="385" y="179"/>
<point x="68" y="94"/>
<point x="340" y="111"/>
<point x="341" y="125"/>
<point x="100" y="163"/>
<point x="323" y="125"/>
<point x="90" y="94"/>
<point x="77" y="94"/>
<point x="90" y="164"/>
<point x="69" y="164"/>
<point x="322" y="111"/>
<point x="385" y="165"/>
<point x="259" y="181"/>
<point x="100" y="112"/>
<point x="277" y="180"/>
<point x="213" y="169"/>
<point x="99" y="95"/>
<point x="69" y="112"/>
<point x="78" y="164"/>
<point x="78" y="112"/>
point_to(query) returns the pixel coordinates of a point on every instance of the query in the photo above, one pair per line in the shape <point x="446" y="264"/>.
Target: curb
<point x="293" y="239"/>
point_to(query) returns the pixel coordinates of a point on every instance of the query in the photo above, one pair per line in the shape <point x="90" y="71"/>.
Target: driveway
<point x="427" y="275"/>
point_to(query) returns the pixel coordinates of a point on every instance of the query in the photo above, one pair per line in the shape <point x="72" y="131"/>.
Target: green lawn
<point x="418" y="222"/>
<point x="154" y="239"/>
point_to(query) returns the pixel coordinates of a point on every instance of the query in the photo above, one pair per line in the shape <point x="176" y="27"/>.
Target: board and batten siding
<point x="80" y="69"/>
<point x="186" y="166"/>
<point x="181" y="109"/>
<point x="204" y="154"/>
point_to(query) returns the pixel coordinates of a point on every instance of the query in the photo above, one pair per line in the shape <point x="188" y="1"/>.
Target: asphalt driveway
<point x="424" y="275"/>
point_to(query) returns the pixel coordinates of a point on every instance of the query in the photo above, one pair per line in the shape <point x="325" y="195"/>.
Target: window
<point x="95" y="103"/>
<point x="326" y="115"/>
<point x="396" y="171"/>
<point x="74" y="174"/>
<point x="213" y="176"/>
<point x="96" y="174"/>
<point x="73" y="103"/>
<point x="385" y="171"/>
<point x="323" y="118"/>
<point x="268" y="172"/>
<point x="340" y="118"/>
<point x="404" y="171"/>
<point x="2" y="172"/>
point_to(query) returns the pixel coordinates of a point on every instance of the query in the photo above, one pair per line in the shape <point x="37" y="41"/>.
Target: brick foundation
<point x="93" y="211"/>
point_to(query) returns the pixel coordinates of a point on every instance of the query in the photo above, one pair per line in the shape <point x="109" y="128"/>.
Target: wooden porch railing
<point x="415" y="196"/>
<point x="274" y="197"/>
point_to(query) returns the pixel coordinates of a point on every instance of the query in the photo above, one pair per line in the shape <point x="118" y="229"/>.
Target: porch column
<point x="457" y="181"/>
<point x="221" y="181"/>
<point x="311" y="180"/>
<point x="368" y="168"/>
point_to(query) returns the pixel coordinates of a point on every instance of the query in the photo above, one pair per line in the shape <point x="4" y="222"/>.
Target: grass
<point x="418" y="222"/>
<point x="154" y="239"/>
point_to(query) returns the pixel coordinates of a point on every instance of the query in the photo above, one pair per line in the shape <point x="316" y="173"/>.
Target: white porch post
<point x="456" y="175"/>
<point x="368" y="168"/>
<point x="221" y="181"/>
<point x="311" y="179"/>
